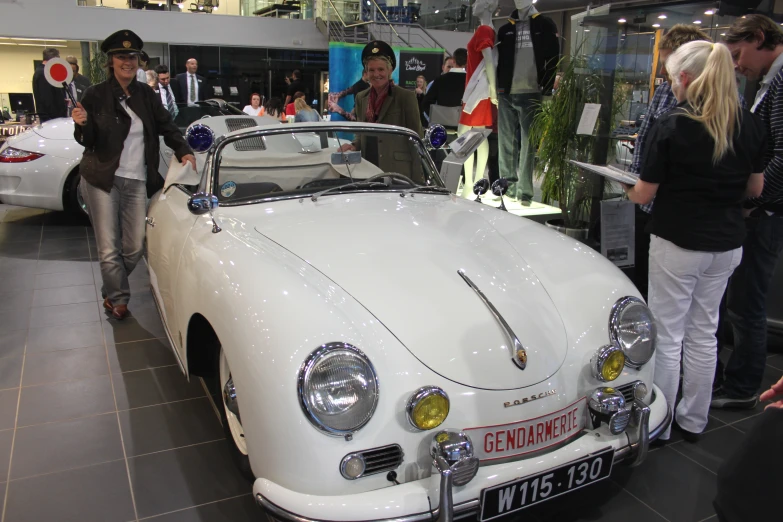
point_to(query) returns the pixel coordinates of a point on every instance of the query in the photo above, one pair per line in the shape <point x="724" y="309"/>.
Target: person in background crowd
<point x="80" y="82"/>
<point x="166" y="94"/>
<point x="294" y="87"/>
<point x="701" y="160"/>
<point x="255" y="108"/>
<point x="144" y="59"/>
<point x="662" y="102"/>
<point x="421" y="90"/>
<point x="356" y="88"/>
<point x="274" y="108"/>
<point x="191" y="85"/>
<point x="118" y="123"/>
<point x="756" y="45"/>
<point x="49" y="100"/>
<point x="447" y="89"/>
<point x="448" y="64"/>
<point x="290" y="109"/>
<point x="304" y="112"/>
<point x="152" y="80"/>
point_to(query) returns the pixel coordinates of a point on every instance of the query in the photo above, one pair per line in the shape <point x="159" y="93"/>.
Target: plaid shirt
<point x="662" y="102"/>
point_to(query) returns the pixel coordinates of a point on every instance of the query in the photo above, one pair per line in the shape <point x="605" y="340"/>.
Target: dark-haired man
<point x="166" y="93"/>
<point x="294" y="87"/>
<point x="49" y="100"/>
<point x="448" y="88"/>
<point x="756" y="45"/>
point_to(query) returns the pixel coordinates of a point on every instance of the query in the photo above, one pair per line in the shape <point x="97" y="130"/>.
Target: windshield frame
<point x="209" y="182"/>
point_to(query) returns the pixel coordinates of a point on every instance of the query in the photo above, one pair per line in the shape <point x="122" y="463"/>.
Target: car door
<point x="168" y="225"/>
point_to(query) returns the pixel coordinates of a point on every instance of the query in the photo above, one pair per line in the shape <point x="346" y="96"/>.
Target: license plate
<point x="518" y="438"/>
<point x="521" y="493"/>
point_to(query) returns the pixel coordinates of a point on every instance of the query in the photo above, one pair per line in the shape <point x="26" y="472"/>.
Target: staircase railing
<point x="338" y="30"/>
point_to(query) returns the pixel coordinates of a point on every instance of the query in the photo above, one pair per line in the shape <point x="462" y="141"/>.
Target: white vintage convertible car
<point x="380" y="349"/>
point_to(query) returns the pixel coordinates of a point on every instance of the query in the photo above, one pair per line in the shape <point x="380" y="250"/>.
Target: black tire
<point x="71" y="198"/>
<point x="241" y="460"/>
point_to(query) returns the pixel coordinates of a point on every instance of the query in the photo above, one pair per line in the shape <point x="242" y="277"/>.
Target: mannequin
<point x="528" y="55"/>
<point x="480" y="92"/>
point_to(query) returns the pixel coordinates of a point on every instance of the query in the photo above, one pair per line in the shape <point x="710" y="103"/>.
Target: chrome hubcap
<point x="230" y="397"/>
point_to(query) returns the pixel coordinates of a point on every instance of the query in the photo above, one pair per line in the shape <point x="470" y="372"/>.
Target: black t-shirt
<point x="296" y="86"/>
<point x="699" y="204"/>
<point x="358" y="87"/>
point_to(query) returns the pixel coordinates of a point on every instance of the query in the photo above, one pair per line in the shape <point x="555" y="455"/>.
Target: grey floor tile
<point x="11" y="320"/>
<point x="711" y="448"/>
<point x="169" y="426"/>
<point x="16" y="280"/>
<point x="59" y="446"/>
<point x="133" y="328"/>
<point x="15" y="300"/>
<point x="185" y="477"/>
<point x="747" y="424"/>
<point x="63" y="279"/>
<point x="238" y="509"/>
<point x="712" y="424"/>
<point x="676" y="487"/>
<point x="9" y="399"/>
<point x="10" y="233"/>
<point x="48" y="266"/>
<point x="150" y="387"/>
<point x="64" y="337"/>
<point x="67" y="314"/>
<point x="140" y="355"/>
<point x="604" y="501"/>
<point x="64" y="249"/>
<point x="21" y="250"/>
<point x="24" y="216"/>
<point x="10" y="372"/>
<point x="6" y="440"/>
<point x="65" y="295"/>
<point x="12" y="343"/>
<point x="94" y="494"/>
<point x="65" y="400"/>
<point x="65" y="365"/>
<point x="64" y="232"/>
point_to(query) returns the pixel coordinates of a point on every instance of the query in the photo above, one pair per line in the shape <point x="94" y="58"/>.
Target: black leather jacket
<point x="108" y="124"/>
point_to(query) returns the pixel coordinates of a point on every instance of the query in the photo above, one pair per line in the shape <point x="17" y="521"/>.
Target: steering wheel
<point x="392" y="175"/>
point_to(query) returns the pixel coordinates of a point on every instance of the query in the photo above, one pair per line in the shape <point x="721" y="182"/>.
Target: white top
<point x="132" y="162"/>
<point x="141" y="75"/>
<point x="764" y="87"/>
<point x="253" y="112"/>
<point x="192" y="78"/>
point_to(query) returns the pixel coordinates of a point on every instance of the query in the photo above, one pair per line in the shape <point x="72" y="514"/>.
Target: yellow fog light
<point x="427" y="408"/>
<point x="607" y="363"/>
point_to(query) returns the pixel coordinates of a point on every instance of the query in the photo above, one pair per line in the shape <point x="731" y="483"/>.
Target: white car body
<point x="45" y="182"/>
<point x="380" y="272"/>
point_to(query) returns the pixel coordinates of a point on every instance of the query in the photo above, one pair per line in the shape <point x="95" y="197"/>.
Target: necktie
<point x="169" y="101"/>
<point x="192" y="88"/>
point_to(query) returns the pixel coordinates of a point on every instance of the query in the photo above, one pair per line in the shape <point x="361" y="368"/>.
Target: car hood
<point x="400" y="257"/>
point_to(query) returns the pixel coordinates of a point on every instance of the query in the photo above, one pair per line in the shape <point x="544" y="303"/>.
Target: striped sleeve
<point x="772" y="114"/>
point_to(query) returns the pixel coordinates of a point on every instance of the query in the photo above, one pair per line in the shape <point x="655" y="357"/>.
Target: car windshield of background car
<point x="289" y="164"/>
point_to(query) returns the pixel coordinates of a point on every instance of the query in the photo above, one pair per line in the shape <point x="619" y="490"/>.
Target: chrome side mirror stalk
<point x="480" y="188"/>
<point x="202" y="203"/>
<point x="499" y="188"/>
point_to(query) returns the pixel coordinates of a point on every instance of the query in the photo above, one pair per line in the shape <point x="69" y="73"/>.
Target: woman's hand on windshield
<point x="346" y="147"/>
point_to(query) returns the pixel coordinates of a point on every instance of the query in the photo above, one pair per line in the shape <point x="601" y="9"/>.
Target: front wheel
<point x="72" y="195"/>
<point x="231" y="417"/>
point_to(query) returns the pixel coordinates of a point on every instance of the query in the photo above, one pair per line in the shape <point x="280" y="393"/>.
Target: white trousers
<point x="685" y="290"/>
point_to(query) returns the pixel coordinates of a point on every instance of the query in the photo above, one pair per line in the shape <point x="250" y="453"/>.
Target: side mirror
<point x="499" y="188"/>
<point x="202" y="203"/>
<point x="480" y="188"/>
<point x="435" y="136"/>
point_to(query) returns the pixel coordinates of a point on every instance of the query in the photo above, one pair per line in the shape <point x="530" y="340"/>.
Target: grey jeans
<point x="118" y="218"/>
<point x="515" y="153"/>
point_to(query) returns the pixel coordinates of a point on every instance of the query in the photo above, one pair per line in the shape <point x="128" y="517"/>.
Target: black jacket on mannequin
<point x="546" y="46"/>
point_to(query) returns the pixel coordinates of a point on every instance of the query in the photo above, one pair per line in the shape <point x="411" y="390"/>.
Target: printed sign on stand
<point x="419" y="62"/>
<point x="618" y="242"/>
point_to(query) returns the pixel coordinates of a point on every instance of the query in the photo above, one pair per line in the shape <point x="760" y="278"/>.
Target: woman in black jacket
<point x="118" y="123"/>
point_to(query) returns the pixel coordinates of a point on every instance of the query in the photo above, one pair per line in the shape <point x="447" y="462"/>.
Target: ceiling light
<point x="43" y="45"/>
<point x="201" y="8"/>
<point x="697" y="22"/>
<point x="709" y="12"/>
<point x="7" y="43"/>
<point x="724" y="34"/>
<point x="621" y="20"/>
<point x="662" y="17"/>
<point x="214" y="9"/>
<point x="656" y="25"/>
<point x="37" y="39"/>
<point x="436" y="10"/>
<point x="587" y="30"/>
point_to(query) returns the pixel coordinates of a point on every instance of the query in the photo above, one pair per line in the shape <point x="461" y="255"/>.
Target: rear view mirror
<point x="351" y="157"/>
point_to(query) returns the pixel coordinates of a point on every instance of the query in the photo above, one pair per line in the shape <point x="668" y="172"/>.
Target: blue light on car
<point x="436" y="135"/>
<point x="200" y="137"/>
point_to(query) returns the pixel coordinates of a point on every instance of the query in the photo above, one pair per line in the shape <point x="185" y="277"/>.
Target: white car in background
<point x="40" y="167"/>
<point x="379" y="349"/>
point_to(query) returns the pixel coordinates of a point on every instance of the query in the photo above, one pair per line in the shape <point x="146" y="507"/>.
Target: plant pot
<point x="578" y="233"/>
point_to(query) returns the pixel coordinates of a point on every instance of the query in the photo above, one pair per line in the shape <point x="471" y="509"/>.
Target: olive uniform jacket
<point x="393" y="153"/>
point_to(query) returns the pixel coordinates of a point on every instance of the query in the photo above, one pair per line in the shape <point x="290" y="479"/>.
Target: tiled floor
<point x="98" y="424"/>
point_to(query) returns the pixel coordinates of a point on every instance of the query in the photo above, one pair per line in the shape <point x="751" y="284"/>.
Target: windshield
<point x="190" y="113"/>
<point x="302" y="163"/>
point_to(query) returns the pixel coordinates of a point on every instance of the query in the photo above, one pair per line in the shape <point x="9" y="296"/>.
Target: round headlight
<point x="338" y="388"/>
<point x="607" y="363"/>
<point x="632" y="329"/>
<point x="427" y="408"/>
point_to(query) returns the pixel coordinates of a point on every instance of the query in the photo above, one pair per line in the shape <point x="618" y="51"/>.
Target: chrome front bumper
<point x="639" y="437"/>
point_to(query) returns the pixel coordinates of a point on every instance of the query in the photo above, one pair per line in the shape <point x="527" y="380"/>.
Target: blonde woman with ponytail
<point x="701" y="160"/>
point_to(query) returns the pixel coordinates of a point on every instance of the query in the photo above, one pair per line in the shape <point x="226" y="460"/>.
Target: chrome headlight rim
<point x="308" y="365"/>
<point x="600" y="358"/>
<point x="418" y="396"/>
<point x="618" y="308"/>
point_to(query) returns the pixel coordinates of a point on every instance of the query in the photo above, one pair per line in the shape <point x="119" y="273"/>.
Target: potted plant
<point x="95" y="68"/>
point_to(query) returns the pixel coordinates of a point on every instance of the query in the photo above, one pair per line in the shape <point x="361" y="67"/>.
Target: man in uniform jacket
<point x="49" y="100"/>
